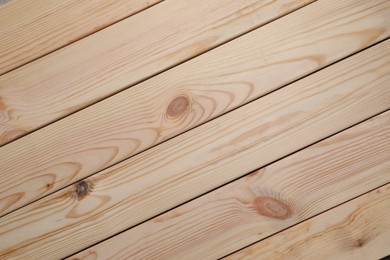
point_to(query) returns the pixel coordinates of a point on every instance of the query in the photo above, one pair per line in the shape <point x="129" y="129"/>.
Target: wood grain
<point x="180" y="99"/>
<point x="359" y="229"/>
<point x="122" y="55"/>
<point x="264" y="202"/>
<point x="31" y="29"/>
<point x="202" y="159"/>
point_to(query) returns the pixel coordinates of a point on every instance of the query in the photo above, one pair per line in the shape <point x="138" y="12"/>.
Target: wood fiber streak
<point x="122" y="55"/>
<point x="31" y="29"/>
<point x="264" y="202"/>
<point x="186" y="96"/>
<point x="202" y="159"/>
<point x="359" y="229"/>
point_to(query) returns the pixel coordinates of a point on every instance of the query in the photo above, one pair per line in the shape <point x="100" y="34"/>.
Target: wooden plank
<point x="264" y="202"/>
<point x="201" y="159"/>
<point x="31" y="29"/>
<point x="359" y="229"/>
<point x="180" y="99"/>
<point x="122" y="55"/>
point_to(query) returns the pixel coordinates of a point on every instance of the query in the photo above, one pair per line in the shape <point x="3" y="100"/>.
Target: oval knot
<point x="273" y="208"/>
<point x="178" y="106"/>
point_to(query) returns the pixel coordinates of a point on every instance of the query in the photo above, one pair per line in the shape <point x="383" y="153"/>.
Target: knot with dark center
<point x="82" y="189"/>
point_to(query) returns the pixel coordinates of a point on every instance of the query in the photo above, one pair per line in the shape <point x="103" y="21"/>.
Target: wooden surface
<point x="260" y="204"/>
<point x="129" y="51"/>
<point x="175" y="101"/>
<point x="359" y="229"/>
<point x="32" y="29"/>
<point x="210" y="156"/>
<point x="196" y="130"/>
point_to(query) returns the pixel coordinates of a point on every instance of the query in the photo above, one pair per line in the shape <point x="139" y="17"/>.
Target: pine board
<point x="264" y="202"/>
<point x="204" y="158"/>
<point x="124" y="54"/>
<point x="166" y="105"/>
<point x="31" y="29"/>
<point x="358" y="229"/>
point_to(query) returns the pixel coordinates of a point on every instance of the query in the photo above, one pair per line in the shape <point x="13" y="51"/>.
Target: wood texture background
<point x="264" y="202"/>
<point x="122" y="55"/>
<point x="179" y="99"/>
<point x="146" y="139"/>
<point x="202" y="159"/>
<point x="31" y="29"/>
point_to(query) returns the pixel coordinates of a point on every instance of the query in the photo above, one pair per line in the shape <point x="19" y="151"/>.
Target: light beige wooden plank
<point x="186" y="96"/>
<point x="122" y="55"/>
<point x="264" y="202"/>
<point x="31" y="29"/>
<point x="359" y="229"/>
<point x="201" y="159"/>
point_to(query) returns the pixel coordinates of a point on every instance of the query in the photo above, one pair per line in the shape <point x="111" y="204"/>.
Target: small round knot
<point x="360" y="242"/>
<point x="82" y="189"/>
<point x="272" y="208"/>
<point x="178" y="106"/>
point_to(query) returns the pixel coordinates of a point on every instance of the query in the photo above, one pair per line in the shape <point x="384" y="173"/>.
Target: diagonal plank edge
<point x="32" y="29"/>
<point x="123" y="54"/>
<point x="186" y="96"/>
<point x="264" y="202"/>
<point x="201" y="159"/>
<point x="358" y="229"/>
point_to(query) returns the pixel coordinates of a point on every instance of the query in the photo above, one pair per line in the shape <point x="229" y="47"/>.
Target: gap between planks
<point x="227" y="77"/>
<point x="179" y="170"/>
<point x="30" y="30"/>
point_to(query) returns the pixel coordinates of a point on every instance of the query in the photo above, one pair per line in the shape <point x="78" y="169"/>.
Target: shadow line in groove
<point x="76" y="40"/>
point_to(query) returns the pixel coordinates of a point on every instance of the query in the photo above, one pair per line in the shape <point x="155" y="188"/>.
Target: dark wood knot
<point x="178" y="106"/>
<point x="82" y="189"/>
<point x="272" y="208"/>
